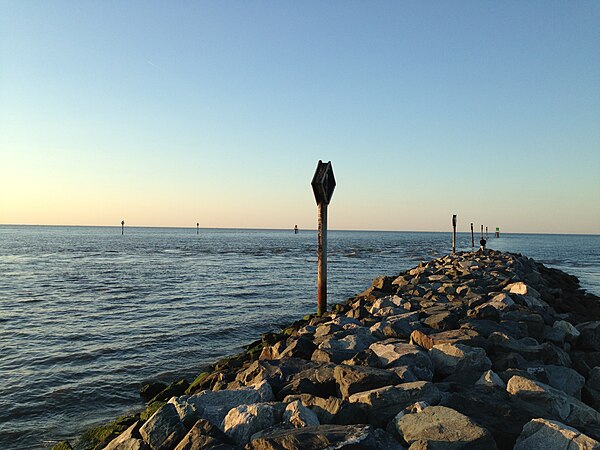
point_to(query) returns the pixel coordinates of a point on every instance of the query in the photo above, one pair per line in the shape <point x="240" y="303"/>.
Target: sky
<point x="172" y="113"/>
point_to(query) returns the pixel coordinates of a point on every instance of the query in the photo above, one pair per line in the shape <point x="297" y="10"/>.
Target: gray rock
<point x="491" y="378"/>
<point x="521" y="288"/>
<point x="442" y="320"/>
<point x="398" y="326"/>
<point x="543" y="434"/>
<point x="187" y="412"/>
<point x="128" y="440"/>
<point x="205" y="436"/>
<point x="544" y="400"/>
<point x="298" y="415"/>
<point x="451" y="358"/>
<point x="382" y="404"/>
<point x="164" y="429"/>
<point x="393" y="353"/>
<point x="352" y="379"/>
<point x="590" y="335"/>
<point x="303" y="347"/>
<point x="441" y="428"/>
<point x="567" y="380"/>
<point x="243" y="421"/>
<point x="323" y="437"/>
<point x="276" y="372"/>
<point x="214" y="405"/>
<point x="563" y="331"/>
<point x="331" y="410"/>
<point x="502" y="302"/>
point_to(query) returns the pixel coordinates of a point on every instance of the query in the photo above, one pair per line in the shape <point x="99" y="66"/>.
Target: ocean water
<point x="87" y="315"/>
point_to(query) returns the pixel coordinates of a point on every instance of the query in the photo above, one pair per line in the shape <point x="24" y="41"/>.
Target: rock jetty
<point x="470" y="351"/>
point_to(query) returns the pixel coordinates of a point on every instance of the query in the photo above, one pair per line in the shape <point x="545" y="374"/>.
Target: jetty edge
<point x="469" y="351"/>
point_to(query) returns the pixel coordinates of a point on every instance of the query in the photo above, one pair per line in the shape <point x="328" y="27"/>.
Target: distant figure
<point x="482" y="242"/>
<point x="296" y="229"/>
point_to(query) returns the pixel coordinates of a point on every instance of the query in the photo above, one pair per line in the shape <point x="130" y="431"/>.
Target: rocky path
<point x="472" y="351"/>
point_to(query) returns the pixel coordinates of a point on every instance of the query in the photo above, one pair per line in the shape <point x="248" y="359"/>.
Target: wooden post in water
<point x="481" y="231"/>
<point x="454" y="234"/>
<point x="497" y="232"/>
<point x="323" y="184"/>
<point x="487" y="236"/>
<point x="122" y="227"/>
<point x="197" y="228"/>
<point x="472" y="237"/>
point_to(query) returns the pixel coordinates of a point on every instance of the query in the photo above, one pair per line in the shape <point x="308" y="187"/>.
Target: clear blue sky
<point x="172" y="113"/>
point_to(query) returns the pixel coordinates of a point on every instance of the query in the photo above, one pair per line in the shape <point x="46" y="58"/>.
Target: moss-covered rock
<point x="64" y="445"/>
<point x="98" y="437"/>
<point x="197" y="383"/>
<point x="173" y="390"/>
<point x="151" y="409"/>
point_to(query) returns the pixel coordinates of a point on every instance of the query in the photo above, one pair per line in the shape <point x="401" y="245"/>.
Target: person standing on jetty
<point x="482" y="243"/>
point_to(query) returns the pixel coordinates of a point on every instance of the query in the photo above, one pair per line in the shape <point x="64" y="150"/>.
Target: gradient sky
<point x="172" y="113"/>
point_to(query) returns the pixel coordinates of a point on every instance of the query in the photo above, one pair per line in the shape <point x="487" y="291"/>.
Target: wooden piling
<point x="197" y="228"/>
<point x="322" y="255"/>
<point x="472" y="237"/>
<point x="454" y="234"/>
<point x="122" y="227"/>
<point x="323" y="184"/>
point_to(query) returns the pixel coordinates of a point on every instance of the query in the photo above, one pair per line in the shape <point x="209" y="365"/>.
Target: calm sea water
<point x="87" y="315"/>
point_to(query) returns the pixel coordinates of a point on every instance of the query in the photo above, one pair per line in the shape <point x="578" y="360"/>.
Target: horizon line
<point x="291" y="228"/>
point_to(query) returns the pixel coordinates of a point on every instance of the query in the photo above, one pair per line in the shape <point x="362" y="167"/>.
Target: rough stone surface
<point x="205" y="436"/>
<point x="214" y="405"/>
<point x="542" y="434"/>
<point x="450" y="358"/>
<point x="382" y="404"/>
<point x="352" y="379"/>
<point x="322" y="437"/>
<point x="544" y="400"/>
<point x="297" y="415"/>
<point x="243" y="421"/>
<point x="163" y="427"/>
<point x="393" y="353"/>
<point x="128" y="440"/>
<point x="438" y="427"/>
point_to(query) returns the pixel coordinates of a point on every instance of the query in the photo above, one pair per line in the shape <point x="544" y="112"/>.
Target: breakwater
<point x="466" y="351"/>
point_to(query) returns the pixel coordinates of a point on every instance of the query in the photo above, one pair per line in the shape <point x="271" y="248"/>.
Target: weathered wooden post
<point x="454" y="234"/>
<point x="122" y="227"/>
<point x="323" y="184"/>
<point x="481" y="231"/>
<point x="487" y="236"/>
<point x="197" y="228"/>
<point x="472" y="237"/>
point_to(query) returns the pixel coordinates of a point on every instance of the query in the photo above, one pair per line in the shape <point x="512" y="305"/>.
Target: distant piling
<point x="323" y="184"/>
<point x="487" y="236"/>
<point x="295" y="229"/>
<point x="472" y="237"/>
<point x="122" y="227"/>
<point x="197" y="228"/>
<point x="497" y="232"/>
<point x="454" y="234"/>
